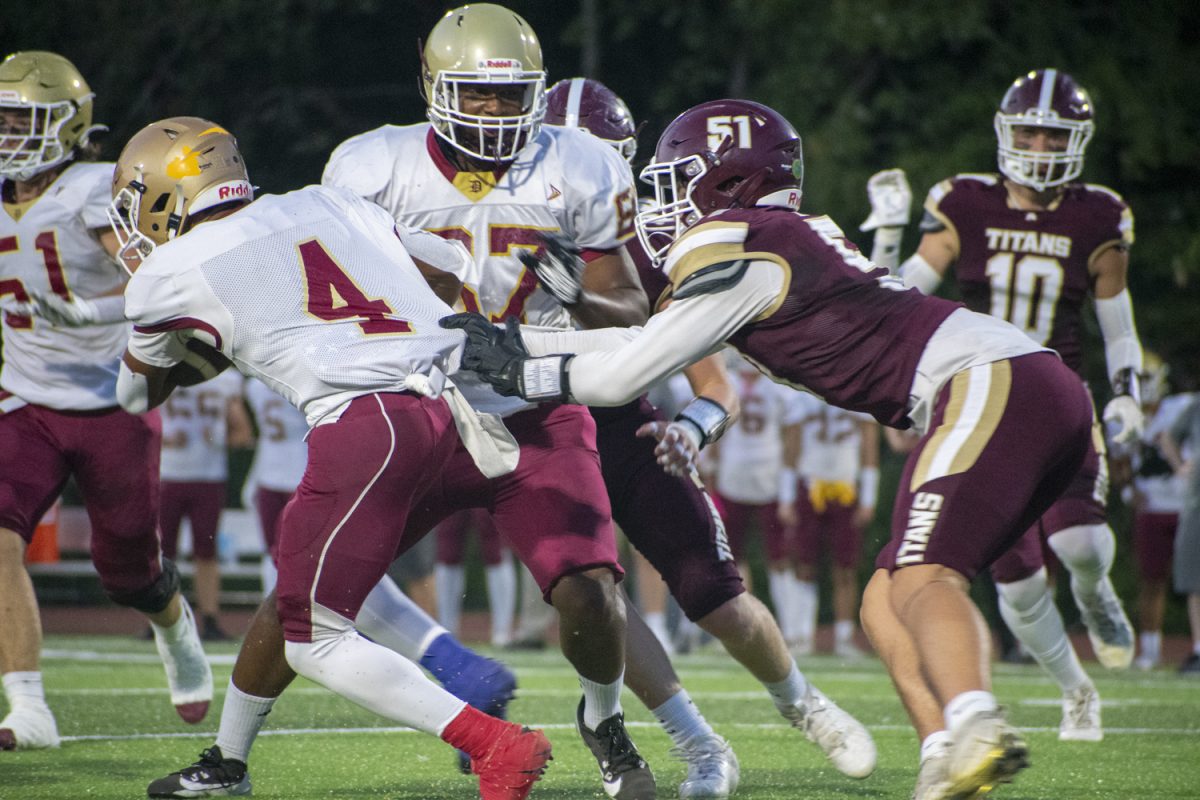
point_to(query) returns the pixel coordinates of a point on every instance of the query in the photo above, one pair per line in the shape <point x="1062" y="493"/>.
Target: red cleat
<point x="514" y="762"/>
<point x="192" y="712"/>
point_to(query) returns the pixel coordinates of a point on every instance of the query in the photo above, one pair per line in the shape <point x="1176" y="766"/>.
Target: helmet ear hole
<point x="160" y="204"/>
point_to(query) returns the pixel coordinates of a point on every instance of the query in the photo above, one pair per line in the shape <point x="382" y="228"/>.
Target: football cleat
<point x="931" y="775"/>
<point x="212" y="776"/>
<point x="984" y="751"/>
<point x="485" y="684"/>
<point x="188" y="673"/>
<point x="843" y="739"/>
<point x="1081" y="716"/>
<point x="1190" y="665"/>
<point x="626" y="776"/>
<point x="712" y="767"/>
<point x="29" y="727"/>
<point x="514" y="762"/>
<point x="1108" y="628"/>
<point x="848" y="651"/>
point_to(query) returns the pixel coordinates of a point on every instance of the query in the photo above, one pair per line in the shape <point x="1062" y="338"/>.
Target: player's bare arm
<point x="142" y="386"/>
<point x="612" y="295"/>
<point x="445" y="285"/>
<point x="935" y="254"/>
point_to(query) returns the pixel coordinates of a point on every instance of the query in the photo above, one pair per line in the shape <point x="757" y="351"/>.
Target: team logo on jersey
<point x="922" y="516"/>
<point x="554" y="193"/>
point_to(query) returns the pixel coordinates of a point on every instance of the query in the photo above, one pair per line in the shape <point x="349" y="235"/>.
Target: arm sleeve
<point x="685" y="332"/>
<point x="1122" y="348"/>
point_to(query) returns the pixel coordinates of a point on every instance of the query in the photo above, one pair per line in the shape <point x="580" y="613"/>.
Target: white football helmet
<point x="45" y="113"/>
<point x="483" y="43"/>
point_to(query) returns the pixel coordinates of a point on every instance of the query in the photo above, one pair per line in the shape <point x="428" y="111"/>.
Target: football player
<point x="63" y="333"/>
<point x="199" y="423"/>
<point x="348" y="337"/>
<point x="1006" y="425"/>
<point x="836" y="456"/>
<point x="1029" y="245"/>
<point x="671" y="520"/>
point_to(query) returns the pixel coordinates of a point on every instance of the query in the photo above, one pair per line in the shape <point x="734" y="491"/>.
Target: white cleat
<point x="840" y="736"/>
<point x="1145" y="663"/>
<point x="189" y="675"/>
<point x="1108" y="628"/>
<point x="984" y="751"/>
<point x="713" y="770"/>
<point x="1081" y="716"/>
<point x="29" y="727"/>
<point x="932" y="775"/>
<point x="801" y="647"/>
<point x="848" y="651"/>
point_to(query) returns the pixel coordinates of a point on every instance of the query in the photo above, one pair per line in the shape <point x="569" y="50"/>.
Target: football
<point x="203" y="362"/>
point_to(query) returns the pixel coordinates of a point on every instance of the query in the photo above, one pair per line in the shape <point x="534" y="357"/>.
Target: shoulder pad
<point x="361" y="164"/>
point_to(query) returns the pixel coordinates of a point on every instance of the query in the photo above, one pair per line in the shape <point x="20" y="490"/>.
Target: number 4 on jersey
<point x="333" y="295"/>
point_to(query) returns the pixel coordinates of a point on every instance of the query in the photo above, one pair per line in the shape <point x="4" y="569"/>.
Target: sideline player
<point x="803" y="304"/>
<point x="1029" y="246"/>
<point x="348" y="337"/>
<point x="63" y="333"/>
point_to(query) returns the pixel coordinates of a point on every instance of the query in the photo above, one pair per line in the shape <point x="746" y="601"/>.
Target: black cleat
<point x="212" y="776"/>
<point x="625" y="774"/>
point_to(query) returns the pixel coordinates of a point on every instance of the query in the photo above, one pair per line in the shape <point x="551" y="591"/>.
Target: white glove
<point x="77" y="312"/>
<point x="559" y="268"/>
<point x="890" y="198"/>
<point x="1123" y="419"/>
<point x="678" y="445"/>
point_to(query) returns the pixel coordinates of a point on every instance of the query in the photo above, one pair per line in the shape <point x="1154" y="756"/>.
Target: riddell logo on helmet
<point x="500" y="63"/>
<point x="9" y="96"/>
<point x="233" y="191"/>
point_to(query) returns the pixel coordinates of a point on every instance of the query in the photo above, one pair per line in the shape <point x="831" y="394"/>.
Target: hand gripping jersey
<point x="311" y="292"/>
<point x="48" y="246"/>
<point x="1029" y="267"/>
<point x="281" y="452"/>
<point x="194" y="426"/>
<point x="565" y="180"/>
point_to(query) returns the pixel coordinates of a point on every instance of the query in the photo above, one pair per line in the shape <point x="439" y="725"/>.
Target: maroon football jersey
<point x="1029" y="267"/>
<point x="844" y="330"/>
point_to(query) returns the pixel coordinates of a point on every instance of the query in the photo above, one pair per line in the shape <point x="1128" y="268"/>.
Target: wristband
<point x="1125" y="382"/>
<point x="545" y="378"/>
<point x="787" y="486"/>
<point x="709" y="417"/>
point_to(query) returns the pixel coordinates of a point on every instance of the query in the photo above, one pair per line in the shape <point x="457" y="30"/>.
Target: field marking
<point x="568" y="726"/>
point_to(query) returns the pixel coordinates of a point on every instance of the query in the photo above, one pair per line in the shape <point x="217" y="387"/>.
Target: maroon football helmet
<point x="721" y="154"/>
<point x="588" y="104"/>
<point x="1044" y="98"/>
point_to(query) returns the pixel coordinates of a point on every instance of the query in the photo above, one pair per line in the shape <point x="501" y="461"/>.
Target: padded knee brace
<point x="154" y="597"/>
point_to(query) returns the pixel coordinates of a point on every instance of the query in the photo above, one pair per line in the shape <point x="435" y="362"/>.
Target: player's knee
<point x="12" y="547"/>
<point x="737" y="620"/>
<point x="590" y="594"/>
<point x="909" y="583"/>
<point x="1023" y="596"/>
<point x="1085" y="548"/>
<point x="875" y="609"/>
<point x="155" y="596"/>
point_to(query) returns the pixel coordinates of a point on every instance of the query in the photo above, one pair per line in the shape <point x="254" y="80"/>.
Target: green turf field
<point x="120" y="732"/>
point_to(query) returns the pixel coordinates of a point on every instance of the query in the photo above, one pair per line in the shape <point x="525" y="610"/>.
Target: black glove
<point x="559" y="269"/>
<point x="499" y="357"/>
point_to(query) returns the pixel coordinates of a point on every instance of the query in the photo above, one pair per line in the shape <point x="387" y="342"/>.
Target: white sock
<point x="600" y="700"/>
<point x="656" y="621"/>
<point x="502" y="599"/>
<point x="24" y="689"/>
<point x="393" y="620"/>
<point x="789" y="691"/>
<point x="171" y="634"/>
<point x="966" y="705"/>
<point x="450" y="581"/>
<point x="779" y="582"/>
<point x="681" y="719"/>
<point x="536" y="613"/>
<point x="370" y="675"/>
<point x="1030" y="613"/>
<point x="843" y="631"/>
<point x="1087" y="551"/>
<point x="934" y="742"/>
<point x="242" y="716"/>
<point x="1151" y="645"/>
<point x="806" y="608"/>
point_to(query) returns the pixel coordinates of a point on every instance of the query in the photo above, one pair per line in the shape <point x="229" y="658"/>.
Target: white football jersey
<point x="750" y="454"/>
<point x="831" y="441"/>
<point x="281" y="453"/>
<point x="48" y="246"/>
<point x="311" y="292"/>
<point x="565" y="180"/>
<point x="194" y="424"/>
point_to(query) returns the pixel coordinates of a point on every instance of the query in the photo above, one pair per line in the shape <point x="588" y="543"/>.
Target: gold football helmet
<point x="487" y="44"/>
<point x="45" y="113"/>
<point x="169" y="171"/>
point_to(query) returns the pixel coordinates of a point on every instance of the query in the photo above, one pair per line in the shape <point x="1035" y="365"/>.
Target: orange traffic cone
<point x="43" y="548"/>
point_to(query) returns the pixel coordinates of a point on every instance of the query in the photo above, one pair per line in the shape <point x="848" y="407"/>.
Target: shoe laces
<point x="620" y="753"/>
<point x="705" y="758"/>
<point x="1105" y="614"/>
<point x="1079" y="708"/>
<point x="817" y="718"/>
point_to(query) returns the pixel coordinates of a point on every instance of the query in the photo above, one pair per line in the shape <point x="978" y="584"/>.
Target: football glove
<point x="678" y="445"/>
<point x="559" y="269"/>
<point x="890" y="198"/>
<point x="499" y="357"/>
<point x="1123" y="417"/>
<point x="77" y="312"/>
